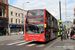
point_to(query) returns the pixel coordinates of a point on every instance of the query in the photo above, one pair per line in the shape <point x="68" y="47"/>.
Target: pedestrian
<point x="72" y="33"/>
<point x="67" y="34"/>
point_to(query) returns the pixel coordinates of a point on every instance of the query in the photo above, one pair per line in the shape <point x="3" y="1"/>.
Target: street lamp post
<point x="60" y="8"/>
<point x="66" y="13"/>
<point x="69" y="20"/>
<point x="23" y="8"/>
<point x="23" y="15"/>
<point x="23" y="4"/>
<point x="60" y="20"/>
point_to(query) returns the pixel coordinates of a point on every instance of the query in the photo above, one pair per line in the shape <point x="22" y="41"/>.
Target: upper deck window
<point x="35" y="13"/>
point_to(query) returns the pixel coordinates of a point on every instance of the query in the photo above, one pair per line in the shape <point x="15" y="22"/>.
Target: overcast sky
<point x="51" y="5"/>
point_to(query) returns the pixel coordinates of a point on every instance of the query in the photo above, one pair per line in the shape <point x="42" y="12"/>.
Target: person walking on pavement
<point x="72" y="33"/>
<point x="67" y="34"/>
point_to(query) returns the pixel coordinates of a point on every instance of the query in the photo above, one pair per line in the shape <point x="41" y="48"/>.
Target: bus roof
<point x="36" y="9"/>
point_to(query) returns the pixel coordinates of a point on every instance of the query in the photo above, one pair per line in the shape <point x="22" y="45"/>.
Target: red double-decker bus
<point x="40" y="26"/>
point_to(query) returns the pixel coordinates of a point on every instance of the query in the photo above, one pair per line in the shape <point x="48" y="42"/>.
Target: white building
<point x="16" y="19"/>
<point x="69" y="24"/>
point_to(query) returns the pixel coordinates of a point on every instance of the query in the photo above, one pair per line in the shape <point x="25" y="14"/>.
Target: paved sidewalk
<point x="62" y="45"/>
<point x="11" y="37"/>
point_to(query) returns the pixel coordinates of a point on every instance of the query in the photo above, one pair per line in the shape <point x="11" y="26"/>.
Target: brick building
<point x="4" y="17"/>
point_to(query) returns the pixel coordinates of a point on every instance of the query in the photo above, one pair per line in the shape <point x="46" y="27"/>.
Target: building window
<point x="19" y="15"/>
<point x="11" y="20"/>
<point x="3" y="1"/>
<point x="2" y="12"/>
<point x="16" y="20"/>
<point x="19" y="20"/>
<point x="11" y="13"/>
<point x="16" y="14"/>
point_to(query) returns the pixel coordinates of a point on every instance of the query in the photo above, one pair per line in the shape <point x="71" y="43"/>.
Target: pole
<point x="60" y="19"/>
<point x="23" y="6"/>
<point x="66" y="13"/>
<point x="23" y="15"/>
<point x="60" y="8"/>
<point x="69" y="23"/>
<point x="23" y="20"/>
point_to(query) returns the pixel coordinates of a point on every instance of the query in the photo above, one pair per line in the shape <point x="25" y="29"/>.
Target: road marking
<point x="1" y="44"/>
<point x="51" y="45"/>
<point x="30" y="45"/>
<point x="41" y="45"/>
<point x="23" y="43"/>
<point x="16" y="42"/>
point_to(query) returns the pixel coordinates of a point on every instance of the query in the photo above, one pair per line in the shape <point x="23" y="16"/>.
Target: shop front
<point x="15" y="29"/>
<point x="3" y="26"/>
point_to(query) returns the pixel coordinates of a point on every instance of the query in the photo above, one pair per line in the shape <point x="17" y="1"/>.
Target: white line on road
<point x="23" y="43"/>
<point x="30" y="45"/>
<point x="1" y="44"/>
<point x="16" y="42"/>
<point x="51" y="44"/>
<point x="41" y="45"/>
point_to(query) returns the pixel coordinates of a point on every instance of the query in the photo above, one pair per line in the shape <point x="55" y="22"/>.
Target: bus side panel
<point x="46" y="33"/>
<point x="53" y="34"/>
<point x="54" y="29"/>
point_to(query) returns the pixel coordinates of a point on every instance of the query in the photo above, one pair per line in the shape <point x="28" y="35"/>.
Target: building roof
<point x="17" y="8"/>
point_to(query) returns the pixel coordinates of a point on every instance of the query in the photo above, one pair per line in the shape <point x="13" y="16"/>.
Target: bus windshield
<point x="35" y="13"/>
<point x="34" y="28"/>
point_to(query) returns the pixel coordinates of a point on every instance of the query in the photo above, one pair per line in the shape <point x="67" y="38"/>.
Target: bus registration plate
<point x="33" y="40"/>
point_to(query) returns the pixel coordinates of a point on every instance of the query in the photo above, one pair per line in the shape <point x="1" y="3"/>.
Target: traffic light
<point x="60" y="24"/>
